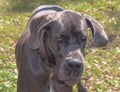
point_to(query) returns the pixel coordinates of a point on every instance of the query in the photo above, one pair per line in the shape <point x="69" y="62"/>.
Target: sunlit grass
<point x="102" y="65"/>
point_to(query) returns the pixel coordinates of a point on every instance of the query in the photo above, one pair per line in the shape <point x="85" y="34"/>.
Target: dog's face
<point x="66" y="39"/>
<point x="62" y="42"/>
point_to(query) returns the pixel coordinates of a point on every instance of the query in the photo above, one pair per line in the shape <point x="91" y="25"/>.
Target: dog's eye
<point x="60" y="39"/>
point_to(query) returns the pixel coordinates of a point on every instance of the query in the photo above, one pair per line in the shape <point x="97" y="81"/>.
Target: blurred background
<point x="102" y="65"/>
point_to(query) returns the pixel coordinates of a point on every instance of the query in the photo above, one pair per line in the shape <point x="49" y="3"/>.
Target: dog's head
<point x="61" y="37"/>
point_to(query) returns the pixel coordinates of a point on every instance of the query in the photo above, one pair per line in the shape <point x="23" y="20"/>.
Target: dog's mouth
<point x="71" y="81"/>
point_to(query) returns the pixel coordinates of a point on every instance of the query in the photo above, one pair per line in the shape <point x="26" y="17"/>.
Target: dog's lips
<point x="71" y="81"/>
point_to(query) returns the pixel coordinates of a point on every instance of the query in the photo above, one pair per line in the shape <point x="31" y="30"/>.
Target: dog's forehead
<point x="70" y="20"/>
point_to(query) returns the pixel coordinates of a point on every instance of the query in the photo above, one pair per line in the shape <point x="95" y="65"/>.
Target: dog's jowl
<point x="49" y="54"/>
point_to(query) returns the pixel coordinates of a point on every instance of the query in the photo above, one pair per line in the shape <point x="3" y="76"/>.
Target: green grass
<point x="102" y="65"/>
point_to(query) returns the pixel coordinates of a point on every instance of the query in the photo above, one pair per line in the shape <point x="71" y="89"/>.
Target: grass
<point x="102" y="65"/>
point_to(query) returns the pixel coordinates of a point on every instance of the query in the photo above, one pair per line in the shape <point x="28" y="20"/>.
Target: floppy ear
<point x="99" y="36"/>
<point x="36" y="25"/>
<point x="38" y="39"/>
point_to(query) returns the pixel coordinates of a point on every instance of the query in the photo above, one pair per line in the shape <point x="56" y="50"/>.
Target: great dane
<point x="49" y="54"/>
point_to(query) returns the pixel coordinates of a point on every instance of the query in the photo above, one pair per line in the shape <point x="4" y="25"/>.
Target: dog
<point x="49" y="53"/>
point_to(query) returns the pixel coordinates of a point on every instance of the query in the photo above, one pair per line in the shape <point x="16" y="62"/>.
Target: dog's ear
<point x="99" y="36"/>
<point x="37" y="31"/>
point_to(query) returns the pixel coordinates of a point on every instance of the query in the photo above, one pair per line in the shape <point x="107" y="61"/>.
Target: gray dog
<point x="49" y="54"/>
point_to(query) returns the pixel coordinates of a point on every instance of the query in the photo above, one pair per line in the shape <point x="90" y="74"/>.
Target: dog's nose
<point x="75" y="64"/>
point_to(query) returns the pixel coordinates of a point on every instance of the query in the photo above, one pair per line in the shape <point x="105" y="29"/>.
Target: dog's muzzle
<point x="73" y="69"/>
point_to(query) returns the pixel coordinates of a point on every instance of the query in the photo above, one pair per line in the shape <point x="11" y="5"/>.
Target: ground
<point x="102" y="65"/>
